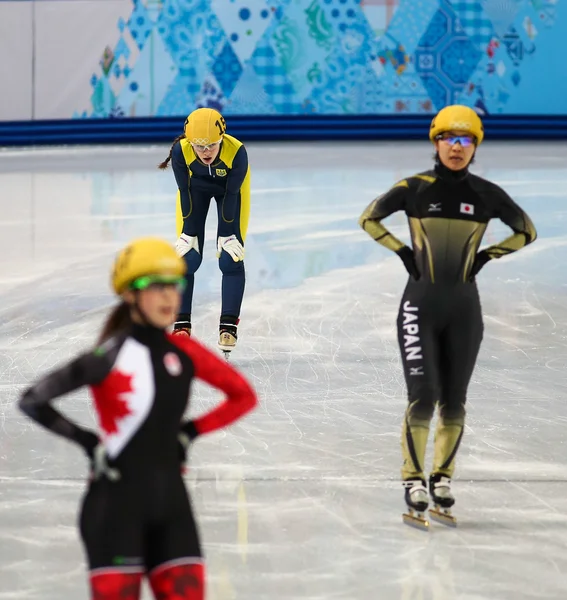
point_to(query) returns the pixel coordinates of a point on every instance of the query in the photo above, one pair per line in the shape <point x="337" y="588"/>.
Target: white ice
<point x="302" y="499"/>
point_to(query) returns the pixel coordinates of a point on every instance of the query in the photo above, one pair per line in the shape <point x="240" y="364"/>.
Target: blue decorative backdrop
<point x="344" y="57"/>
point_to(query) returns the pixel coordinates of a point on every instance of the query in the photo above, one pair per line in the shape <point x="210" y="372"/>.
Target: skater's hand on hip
<point x="88" y="440"/>
<point x="184" y="439"/>
<point x="185" y="243"/>
<point x="231" y="245"/>
<point x="480" y="260"/>
<point x="100" y="467"/>
<point x="183" y="443"/>
<point x="408" y="258"/>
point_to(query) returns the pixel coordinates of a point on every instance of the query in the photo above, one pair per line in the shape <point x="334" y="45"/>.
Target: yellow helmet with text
<point x="457" y="118"/>
<point x="205" y="126"/>
<point x="145" y="256"/>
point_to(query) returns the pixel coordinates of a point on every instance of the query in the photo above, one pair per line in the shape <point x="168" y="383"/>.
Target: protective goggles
<point x="203" y="148"/>
<point x="159" y="282"/>
<point x="451" y="139"/>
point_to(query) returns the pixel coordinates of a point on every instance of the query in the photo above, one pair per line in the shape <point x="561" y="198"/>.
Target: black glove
<point x="186" y="436"/>
<point x="95" y="450"/>
<point x="408" y="258"/>
<point x="480" y="260"/>
<point x="88" y="440"/>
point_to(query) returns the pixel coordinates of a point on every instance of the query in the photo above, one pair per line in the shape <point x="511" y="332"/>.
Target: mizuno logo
<point x="435" y="207"/>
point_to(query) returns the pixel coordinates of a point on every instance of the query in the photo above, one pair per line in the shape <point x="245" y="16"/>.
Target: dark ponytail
<point x="164" y="164"/>
<point x="118" y="320"/>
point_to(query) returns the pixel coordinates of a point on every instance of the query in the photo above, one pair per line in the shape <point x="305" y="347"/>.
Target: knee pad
<point x="422" y="400"/>
<point x="453" y="414"/>
<point x="420" y="412"/>
<point x="110" y="584"/>
<point x="229" y="266"/>
<point x="178" y="581"/>
<point x="193" y="261"/>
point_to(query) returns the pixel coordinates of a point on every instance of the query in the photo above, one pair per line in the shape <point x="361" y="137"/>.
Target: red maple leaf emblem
<point x="110" y="406"/>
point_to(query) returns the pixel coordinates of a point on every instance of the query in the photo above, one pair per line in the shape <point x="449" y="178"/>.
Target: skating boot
<point x="228" y="335"/>
<point x="182" y="327"/>
<point x="443" y="500"/>
<point x="417" y="501"/>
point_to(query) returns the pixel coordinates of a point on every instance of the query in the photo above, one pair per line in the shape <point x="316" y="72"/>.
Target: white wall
<point x="48" y="78"/>
<point x="16" y="55"/>
<point x="84" y="28"/>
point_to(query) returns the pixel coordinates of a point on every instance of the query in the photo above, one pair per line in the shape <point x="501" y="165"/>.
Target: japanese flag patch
<point x="467" y="209"/>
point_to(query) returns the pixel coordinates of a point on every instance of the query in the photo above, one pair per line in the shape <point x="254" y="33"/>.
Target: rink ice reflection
<point x="302" y="499"/>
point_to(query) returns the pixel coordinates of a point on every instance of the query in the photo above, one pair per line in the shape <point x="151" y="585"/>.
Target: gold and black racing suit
<point x="440" y="321"/>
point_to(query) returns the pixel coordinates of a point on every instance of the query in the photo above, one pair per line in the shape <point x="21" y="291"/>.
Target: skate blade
<point x="226" y="353"/>
<point x="443" y="516"/>
<point x="416" y="520"/>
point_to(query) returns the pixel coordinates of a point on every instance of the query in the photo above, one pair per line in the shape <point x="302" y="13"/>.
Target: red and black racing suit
<point x="141" y="523"/>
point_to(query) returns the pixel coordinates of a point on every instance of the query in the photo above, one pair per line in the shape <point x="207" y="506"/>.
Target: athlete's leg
<point x="111" y="532"/>
<point x="115" y="584"/>
<point x="174" y="559"/>
<point x="178" y="580"/>
<point x="417" y="337"/>
<point x="194" y="225"/>
<point x="460" y="343"/>
<point x="233" y="273"/>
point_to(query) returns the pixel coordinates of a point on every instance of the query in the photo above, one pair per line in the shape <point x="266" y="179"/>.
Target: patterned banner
<point x="325" y="56"/>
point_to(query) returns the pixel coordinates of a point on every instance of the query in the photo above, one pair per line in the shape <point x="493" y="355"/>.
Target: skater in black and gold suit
<point x="440" y="320"/>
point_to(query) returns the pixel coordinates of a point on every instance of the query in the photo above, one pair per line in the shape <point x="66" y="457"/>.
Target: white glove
<point x="186" y="243"/>
<point x="231" y="245"/>
<point x="99" y="465"/>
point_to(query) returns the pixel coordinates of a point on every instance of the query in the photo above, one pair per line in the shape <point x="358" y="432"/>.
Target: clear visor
<point x="201" y="148"/>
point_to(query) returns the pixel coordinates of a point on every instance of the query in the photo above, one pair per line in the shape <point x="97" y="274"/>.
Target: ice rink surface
<point x="302" y="499"/>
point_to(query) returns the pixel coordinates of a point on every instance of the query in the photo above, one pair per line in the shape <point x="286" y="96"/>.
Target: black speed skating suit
<point x="140" y="382"/>
<point x="440" y="321"/>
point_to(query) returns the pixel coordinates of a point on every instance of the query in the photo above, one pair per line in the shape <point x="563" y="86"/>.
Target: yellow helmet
<point x="204" y="126"/>
<point x="457" y="118"/>
<point x="145" y="256"/>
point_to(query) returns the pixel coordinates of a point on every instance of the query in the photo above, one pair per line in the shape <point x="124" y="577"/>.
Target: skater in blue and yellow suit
<point x="209" y="163"/>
